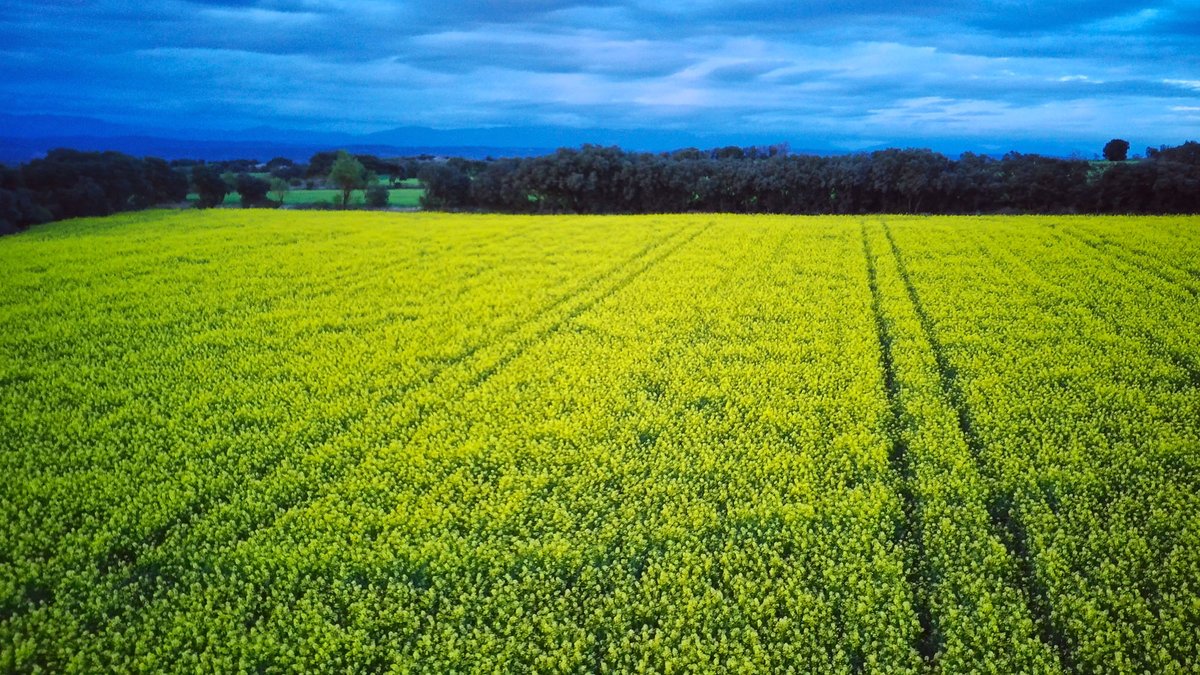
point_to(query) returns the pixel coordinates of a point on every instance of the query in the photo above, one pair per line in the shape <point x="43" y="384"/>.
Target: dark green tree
<point x="445" y="186"/>
<point x="377" y="196"/>
<point x="347" y="174"/>
<point x="209" y="186"/>
<point x="167" y="184"/>
<point x="279" y="189"/>
<point x="252" y="190"/>
<point x="1116" y="150"/>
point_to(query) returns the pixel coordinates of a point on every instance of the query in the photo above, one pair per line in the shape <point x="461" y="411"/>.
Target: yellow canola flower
<point x="330" y="442"/>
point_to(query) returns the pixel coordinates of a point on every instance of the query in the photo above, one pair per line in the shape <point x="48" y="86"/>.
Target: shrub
<point x="377" y="196"/>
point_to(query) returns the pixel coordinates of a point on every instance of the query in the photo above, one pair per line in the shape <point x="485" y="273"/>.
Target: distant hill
<point x="25" y="137"/>
<point x="15" y="151"/>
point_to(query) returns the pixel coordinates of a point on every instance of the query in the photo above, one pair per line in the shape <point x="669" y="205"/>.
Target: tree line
<point x="212" y="181"/>
<point x="71" y="184"/>
<point x="596" y="179"/>
<point x="593" y="179"/>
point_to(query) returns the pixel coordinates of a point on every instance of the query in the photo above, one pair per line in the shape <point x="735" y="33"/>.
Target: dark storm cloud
<point x="863" y="69"/>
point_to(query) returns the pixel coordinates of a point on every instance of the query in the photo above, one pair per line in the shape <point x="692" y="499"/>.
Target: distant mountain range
<point x="23" y="138"/>
<point x="26" y="137"/>
<point x="18" y="150"/>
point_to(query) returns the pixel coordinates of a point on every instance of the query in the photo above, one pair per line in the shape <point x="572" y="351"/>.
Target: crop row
<point x="270" y="441"/>
<point x="252" y="407"/>
<point x="1077" y="369"/>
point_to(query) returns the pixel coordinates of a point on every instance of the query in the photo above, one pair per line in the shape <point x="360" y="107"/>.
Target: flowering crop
<point x="243" y="440"/>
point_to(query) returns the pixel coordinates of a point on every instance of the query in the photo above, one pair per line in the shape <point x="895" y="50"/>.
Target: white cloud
<point x="1126" y="23"/>
<point x="371" y="65"/>
<point x="265" y="17"/>
<point x="1186" y="84"/>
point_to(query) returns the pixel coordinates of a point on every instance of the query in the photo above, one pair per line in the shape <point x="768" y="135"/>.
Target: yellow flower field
<point x="317" y="441"/>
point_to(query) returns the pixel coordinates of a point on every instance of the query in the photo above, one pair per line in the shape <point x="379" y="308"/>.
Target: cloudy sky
<point x="848" y="73"/>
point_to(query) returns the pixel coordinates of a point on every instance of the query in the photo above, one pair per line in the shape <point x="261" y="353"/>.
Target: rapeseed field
<point x="264" y="441"/>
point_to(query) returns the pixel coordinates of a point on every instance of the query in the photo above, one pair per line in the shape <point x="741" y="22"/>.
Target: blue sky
<point x="849" y="74"/>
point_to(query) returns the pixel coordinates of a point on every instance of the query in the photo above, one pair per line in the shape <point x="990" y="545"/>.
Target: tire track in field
<point x="1157" y="347"/>
<point x="127" y="562"/>
<point x="651" y="259"/>
<point x="120" y="551"/>
<point x="1139" y="251"/>
<point x="440" y="371"/>
<point x="1111" y="251"/>
<point x="602" y="642"/>
<point x="145" y="580"/>
<point x="1010" y="532"/>
<point x="651" y="256"/>
<point x="909" y="539"/>
<point x="1184" y="361"/>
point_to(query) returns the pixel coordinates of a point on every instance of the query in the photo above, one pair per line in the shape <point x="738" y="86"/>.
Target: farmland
<point x="403" y="197"/>
<point x="396" y="197"/>
<point x="265" y="440"/>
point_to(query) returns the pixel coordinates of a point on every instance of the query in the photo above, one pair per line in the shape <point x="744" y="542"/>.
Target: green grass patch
<point x="396" y="197"/>
<point x="405" y="197"/>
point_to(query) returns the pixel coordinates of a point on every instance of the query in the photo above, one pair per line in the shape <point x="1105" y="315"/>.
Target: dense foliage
<point x="70" y="184"/>
<point x="269" y="441"/>
<point x="320" y="164"/>
<point x="593" y="179"/>
<point x="252" y="190"/>
<point x="210" y="187"/>
<point x="1116" y="150"/>
<point x="732" y="180"/>
<point x="348" y="174"/>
